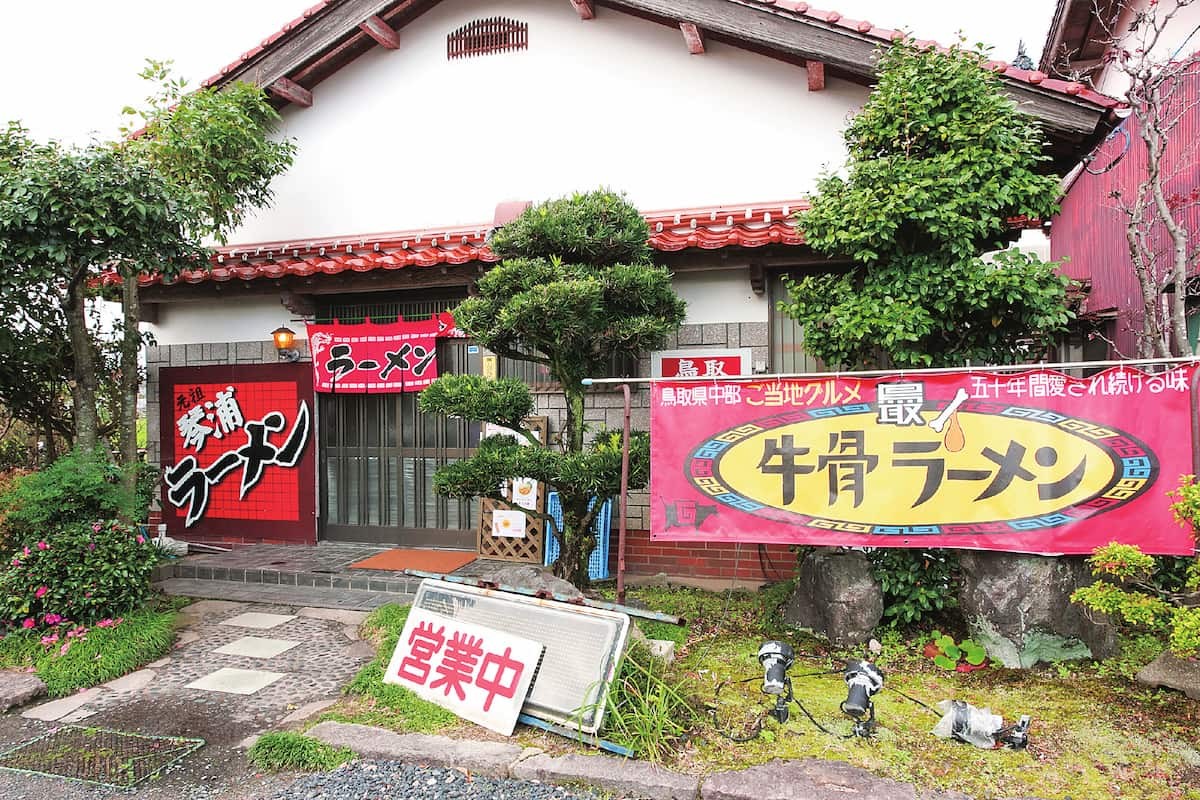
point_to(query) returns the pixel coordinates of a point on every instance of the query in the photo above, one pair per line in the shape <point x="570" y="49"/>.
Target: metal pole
<point x="905" y="372"/>
<point x="623" y="500"/>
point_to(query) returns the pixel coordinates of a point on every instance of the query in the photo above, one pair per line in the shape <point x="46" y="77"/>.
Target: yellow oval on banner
<point x="974" y="467"/>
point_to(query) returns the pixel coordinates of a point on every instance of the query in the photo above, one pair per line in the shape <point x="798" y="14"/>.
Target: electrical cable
<point x="712" y="711"/>
<point x="911" y="699"/>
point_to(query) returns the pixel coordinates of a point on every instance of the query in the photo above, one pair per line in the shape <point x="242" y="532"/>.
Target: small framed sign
<point x="701" y="362"/>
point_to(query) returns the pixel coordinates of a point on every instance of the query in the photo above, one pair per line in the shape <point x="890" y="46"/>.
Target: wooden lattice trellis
<point x="530" y="549"/>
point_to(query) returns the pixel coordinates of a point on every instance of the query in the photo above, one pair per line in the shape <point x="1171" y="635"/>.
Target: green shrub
<point x="281" y="750"/>
<point x="79" y="487"/>
<point x="69" y="657"/>
<point x="82" y="572"/>
<point x="916" y="584"/>
<point x="1126" y="590"/>
<point x="148" y="478"/>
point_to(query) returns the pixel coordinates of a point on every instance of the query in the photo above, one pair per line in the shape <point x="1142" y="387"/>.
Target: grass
<point x="284" y="750"/>
<point x="373" y="702"/>
<point x="102" y="655"/>
<point x="1094" y="734"/>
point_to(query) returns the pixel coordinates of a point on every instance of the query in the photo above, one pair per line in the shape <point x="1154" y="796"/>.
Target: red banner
<point x="236" y="451"/>
<point x="1036" y="462"/>
<point x="374" y="358"/>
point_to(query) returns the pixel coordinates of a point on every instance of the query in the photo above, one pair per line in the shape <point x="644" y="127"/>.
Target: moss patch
<point x="1094" y="733"/>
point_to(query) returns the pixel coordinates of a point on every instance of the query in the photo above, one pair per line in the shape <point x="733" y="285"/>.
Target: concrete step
<point x="283" y="594"/>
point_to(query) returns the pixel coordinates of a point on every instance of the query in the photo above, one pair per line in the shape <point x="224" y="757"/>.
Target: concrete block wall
<point x="604" y="410"/>
<point x="198" y="355"/>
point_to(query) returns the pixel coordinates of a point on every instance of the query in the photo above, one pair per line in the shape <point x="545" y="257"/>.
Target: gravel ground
<point x="393" y="780"/>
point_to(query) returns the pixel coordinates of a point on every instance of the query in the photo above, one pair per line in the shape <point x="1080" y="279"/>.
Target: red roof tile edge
<point x="798" y="9"/>
<point x="706" y="228"/>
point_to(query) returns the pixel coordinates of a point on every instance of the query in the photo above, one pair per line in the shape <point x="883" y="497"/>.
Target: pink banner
<point x="1035" y="462"/>
<point x="376" y="358"/>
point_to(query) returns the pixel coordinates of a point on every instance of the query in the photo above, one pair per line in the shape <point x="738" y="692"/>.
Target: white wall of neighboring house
<point x="720" y="296"/>
<point x="407" y="138"/>
<point x="243" y="319"/>
<point x="715" y="296"/>
<point x="1180" y="39"/>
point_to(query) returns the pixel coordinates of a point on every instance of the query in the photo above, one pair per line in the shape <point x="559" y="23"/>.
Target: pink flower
<point x="43" y="546"/>
<point x="28" y="623"/>
<point x="41" y="592"/>
<point x="91" y="545"/>
<point x="26" y="549"/>
<point x="77" y="633"/>
<point x="62" y="651"/>
<point x="96" y="526"/>
<point x="49" y="640"/>
<point x="52" y="619"/>
<point x="141" y="539"/>
<point x="16" y="562"/>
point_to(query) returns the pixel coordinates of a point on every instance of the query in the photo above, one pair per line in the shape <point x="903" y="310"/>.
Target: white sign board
<point x="508" y="523"/>
<point x="479" y="673"/>
<point x="583" y="645"/>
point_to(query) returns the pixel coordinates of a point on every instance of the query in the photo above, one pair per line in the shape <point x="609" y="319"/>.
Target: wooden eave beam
<point x="291" y="91"/>
<point x="385" y="35"/>
<point x="816" y="75"/>
<point x="308" y="42"/>
<point x="693" y="37"/>
<point x="585" y="8"/>
<point x="757" y="26"/>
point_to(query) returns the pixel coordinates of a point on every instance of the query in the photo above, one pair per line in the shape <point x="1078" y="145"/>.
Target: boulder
<point x="19" y="688"/>
<point x="1173" y="672"/>
<point x="836" y="597"/>
<point x="1019" y="608"/>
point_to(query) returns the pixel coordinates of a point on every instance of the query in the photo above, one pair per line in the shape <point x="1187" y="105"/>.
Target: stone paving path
<point x="237" y="669"/>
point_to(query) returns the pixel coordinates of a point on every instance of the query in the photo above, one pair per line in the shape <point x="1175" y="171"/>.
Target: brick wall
<point x="747" y="563"/>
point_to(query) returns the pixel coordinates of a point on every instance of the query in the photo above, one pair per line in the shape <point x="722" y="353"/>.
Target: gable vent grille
<point x="483" y="36"/>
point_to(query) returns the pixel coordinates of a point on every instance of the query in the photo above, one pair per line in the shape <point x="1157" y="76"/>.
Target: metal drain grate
<point x="97" y="755"/>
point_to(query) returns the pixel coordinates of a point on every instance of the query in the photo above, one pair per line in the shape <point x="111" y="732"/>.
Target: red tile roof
<point x="708" y="228"/>
<point x="1034" y="77"/>
<point x="800" y="10"/>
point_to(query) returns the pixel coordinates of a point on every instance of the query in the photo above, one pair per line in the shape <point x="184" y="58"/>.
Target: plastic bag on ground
<point x="967" y="723"/>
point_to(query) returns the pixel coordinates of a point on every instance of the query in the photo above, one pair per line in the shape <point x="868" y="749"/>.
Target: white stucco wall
<point x="1179" y="39"/>
<point x="720" y="296"/>
<point x="407" y="138"/>
<point x="225" y="320"/>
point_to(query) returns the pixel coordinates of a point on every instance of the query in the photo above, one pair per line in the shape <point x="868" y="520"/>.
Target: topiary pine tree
<point x="575" y="288"/>
<point x="939" y="160"/>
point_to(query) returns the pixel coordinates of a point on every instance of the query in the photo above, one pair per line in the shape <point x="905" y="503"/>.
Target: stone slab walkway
<point x="237" y="669"/>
